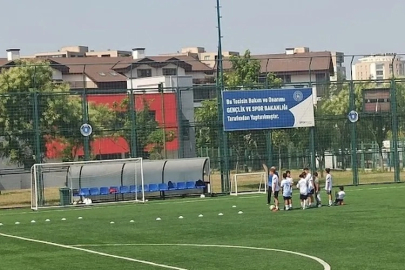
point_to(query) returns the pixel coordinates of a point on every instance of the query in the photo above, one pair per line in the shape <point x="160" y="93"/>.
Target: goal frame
<point x="35" y="171"/>
<point x="262" y="188"/>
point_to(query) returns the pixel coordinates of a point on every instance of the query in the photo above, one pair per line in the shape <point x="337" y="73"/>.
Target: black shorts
<point x="311" y="192"/>
<point x="303" y="197"/>
<point x="339" y="200"/>
<point x="276" y="194"/>
<point x="287" y="198"/>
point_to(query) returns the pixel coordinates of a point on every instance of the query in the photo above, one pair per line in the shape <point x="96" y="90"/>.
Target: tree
<point x="33" y="107"/>
<point x="207" y="127"/>
<point x="246" y="72"/>
<point x="244" y="75"/>
<point x="157" y="142"/>
<point x="23" y="88"/>
<point x="370" y="127"/>
<point x="147" y="128"/>
<point x="281" y="139"/>
<point x="100" y="118"/>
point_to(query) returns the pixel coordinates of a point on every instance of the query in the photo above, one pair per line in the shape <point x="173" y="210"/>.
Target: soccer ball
<point x="272" y="207"/>
<point x="202" y="196"/>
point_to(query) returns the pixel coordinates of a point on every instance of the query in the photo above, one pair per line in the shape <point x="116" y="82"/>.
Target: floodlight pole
<point x="223" y="139"/>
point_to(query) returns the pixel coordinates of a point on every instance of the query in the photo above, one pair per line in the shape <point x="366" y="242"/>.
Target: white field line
<point x="91" y="251"/>
<point x="129" y="204"/>
<point x="377" y="188"/>
<point x="325" y="265"/>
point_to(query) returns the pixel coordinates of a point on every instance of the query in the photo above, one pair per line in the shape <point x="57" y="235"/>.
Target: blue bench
<point x="148" y="188"/>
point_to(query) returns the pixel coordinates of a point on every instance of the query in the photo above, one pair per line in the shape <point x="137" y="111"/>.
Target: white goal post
<point x="102" y="181"/>
<point x="249" y="183"/>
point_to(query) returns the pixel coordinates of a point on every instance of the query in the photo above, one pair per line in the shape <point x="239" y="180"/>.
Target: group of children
<point x="308" y="185"/>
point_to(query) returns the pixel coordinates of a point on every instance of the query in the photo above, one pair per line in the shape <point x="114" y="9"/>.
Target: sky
<point x="164" y="26"/>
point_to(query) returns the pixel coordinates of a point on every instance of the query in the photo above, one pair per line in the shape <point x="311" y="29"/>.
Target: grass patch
<point x="22" y="198"/>
<point x="364" y="234"/>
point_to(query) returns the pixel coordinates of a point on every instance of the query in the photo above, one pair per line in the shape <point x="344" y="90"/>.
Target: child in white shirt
<point x="310" y="183"/>
<point x="286" y="189"/>
<point x="328" y="185"/>
<point x="303" y="187"/>
<point x="317" y="190"/>
<point x="275" y="186"/>
<point x="289" y="178"/>
<point x="340" y="196"/>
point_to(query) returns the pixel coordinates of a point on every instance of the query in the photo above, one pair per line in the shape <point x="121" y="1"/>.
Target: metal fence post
<point x="133" y="124"/>
<point x="394" y="115"/>
<point x="37" y="148"/>
<point x="269" y="133"/>
<point x="131" y="97"/>
<point x="312" y="130"/>
<point x="85" y="112"/>
<point x="180" y="123"/>
<point x="353" y="131"/>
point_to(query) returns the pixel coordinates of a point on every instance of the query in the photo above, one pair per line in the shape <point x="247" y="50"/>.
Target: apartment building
<point x="208" y="58"/>
<point x="80" y="51"/>
<point x="378" y="67"/>
<point x="298" y="67"/>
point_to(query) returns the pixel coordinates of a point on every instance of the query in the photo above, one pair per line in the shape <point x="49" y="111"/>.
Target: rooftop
<point x="287" y="63"/>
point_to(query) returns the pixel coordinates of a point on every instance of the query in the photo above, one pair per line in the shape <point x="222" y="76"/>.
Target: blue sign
<point x="268" y="109"/>
<point x="353" y="116"/>
<point x="86" y="130"/>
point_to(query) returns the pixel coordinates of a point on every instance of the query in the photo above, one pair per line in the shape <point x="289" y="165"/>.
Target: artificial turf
<point x="366" y="233"/>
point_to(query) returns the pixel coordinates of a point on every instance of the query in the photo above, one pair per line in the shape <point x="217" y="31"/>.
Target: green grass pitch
<point x="367" y="233"/>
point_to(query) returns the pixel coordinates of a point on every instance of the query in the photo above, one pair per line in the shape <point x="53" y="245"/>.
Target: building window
<point x="207" y="57"/>
<point x="287" y="79"/>
<point x="169" y="71"/>
<point x="109" y="156"/>
<point x="204" y="93"/>
<point x="380" y="73"/>
<point x="186" y="129"/>
<point x="143" y="73"/>
<point x="152" y="114"/>
<point x="320" y="77"/>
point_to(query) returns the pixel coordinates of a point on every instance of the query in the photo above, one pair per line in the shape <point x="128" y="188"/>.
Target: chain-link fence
<point x="169" y="109"/>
